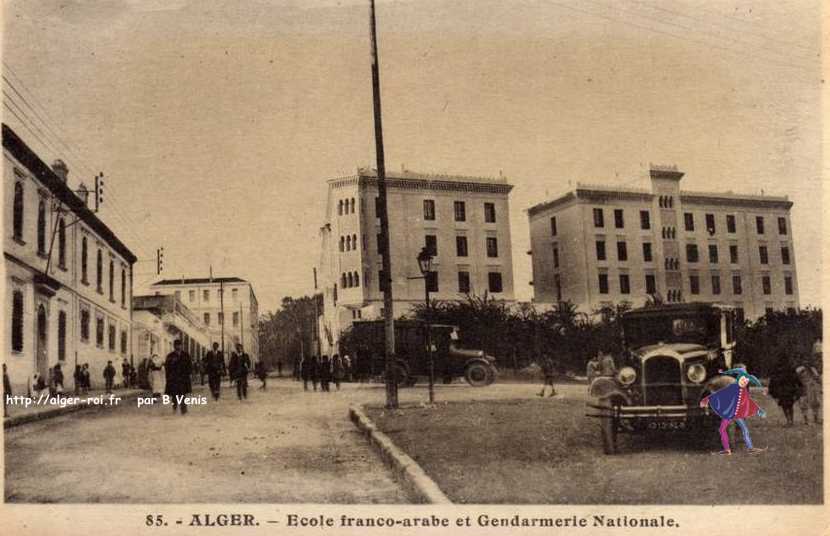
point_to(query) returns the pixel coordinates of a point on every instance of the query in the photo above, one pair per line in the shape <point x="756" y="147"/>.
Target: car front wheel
<point x="477" y="374"/>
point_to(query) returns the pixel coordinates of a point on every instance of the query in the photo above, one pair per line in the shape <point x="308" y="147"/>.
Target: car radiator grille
<point x="663" y="382"/>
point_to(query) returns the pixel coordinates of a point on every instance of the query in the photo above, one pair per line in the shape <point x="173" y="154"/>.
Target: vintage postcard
<point x="377" y="267"/>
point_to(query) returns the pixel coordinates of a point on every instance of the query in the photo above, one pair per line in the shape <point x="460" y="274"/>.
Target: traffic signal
<point x="159" y="260"/>
<point x="99" y="190"/>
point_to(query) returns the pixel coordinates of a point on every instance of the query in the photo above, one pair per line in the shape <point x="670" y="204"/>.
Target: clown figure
<point x="733" y="403"/>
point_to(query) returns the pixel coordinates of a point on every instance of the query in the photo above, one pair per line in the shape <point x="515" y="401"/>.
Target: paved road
<point x="281" y="446"/>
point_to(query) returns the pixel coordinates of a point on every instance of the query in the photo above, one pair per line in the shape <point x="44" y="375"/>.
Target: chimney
<point x="60" y="169"/>
<point x="83" y="194"/>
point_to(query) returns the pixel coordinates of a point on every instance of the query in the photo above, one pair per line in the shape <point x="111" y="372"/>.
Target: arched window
<point x="123" y="287"/>
<point x="112" y="281"/>
<point x="356" y="279"/>
<point x="340" y="208"/>
<point x="17" y="218"/>
<point x="62" y="243"/>
<point x="99" y="276"/>
<point x="62" y="336"/>
<point x="41" y="227"/>
<point x="17" y="321"/>
<point x="342" y="243"/>
<point x="84" y="271"/>
<point x="354" y="241"/>
<point x="343" y="280"/>
<point x="351" y="208"/>
<point x="671" y="202"/>
<point x="350" y="279"/>
<point x="348" y="243"/>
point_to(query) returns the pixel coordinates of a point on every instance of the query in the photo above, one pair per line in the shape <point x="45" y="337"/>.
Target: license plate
<point x="667" y="425"/>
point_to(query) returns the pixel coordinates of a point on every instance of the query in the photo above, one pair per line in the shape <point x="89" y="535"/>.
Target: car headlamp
<point x="626" y="375"/>
<point x="696" y="373"/>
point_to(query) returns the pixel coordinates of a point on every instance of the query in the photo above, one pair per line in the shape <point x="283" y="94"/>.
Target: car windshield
<point x="700" y="328"/>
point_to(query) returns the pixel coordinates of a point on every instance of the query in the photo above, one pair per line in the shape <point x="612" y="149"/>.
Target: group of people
<point x="324" y="371"/>
<point x="790" y="383"/>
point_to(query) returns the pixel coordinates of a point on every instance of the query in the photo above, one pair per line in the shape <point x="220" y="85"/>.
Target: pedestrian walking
<point x="214" y="367"/>
<point x="261" y="373"/>
<point x="314" y="371"/>
<point x="157" y="380"/>
<point x="125" y="372"/>
<point x="325" y="374"/>
<point x="811" y="399"/>
<point x="109" y="376"/>
<point x="7" y="390"/>
<point x="57" y="379"/>
<point x="785" y="387"/>
<point x="178" y="368"/>
<point x="337" y="370"/>
<point x="548" y="374"/>
<point x="303" y="368"/>
<point x="86" y="380"/>
<point x="347" y="368"/>
<point x="240" y="365"/>
<point x="78" y="378"/>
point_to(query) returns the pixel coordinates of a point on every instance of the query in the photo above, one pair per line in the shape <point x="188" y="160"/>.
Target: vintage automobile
<point x="366" y="346"/>
<point x="671" y="358"/>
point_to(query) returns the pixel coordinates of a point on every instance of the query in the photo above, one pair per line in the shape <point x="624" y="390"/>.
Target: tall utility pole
<point x="222" y="313"/>
<point x="386" y="281"/>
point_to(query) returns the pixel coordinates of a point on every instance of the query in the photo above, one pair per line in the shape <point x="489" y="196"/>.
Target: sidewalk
<point x="18" y="413"/>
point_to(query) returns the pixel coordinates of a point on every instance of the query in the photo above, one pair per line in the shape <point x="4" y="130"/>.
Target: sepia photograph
<point x="462" y="266"/>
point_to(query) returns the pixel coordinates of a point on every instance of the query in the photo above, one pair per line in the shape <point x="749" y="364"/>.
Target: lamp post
<point x="425" y="265"/>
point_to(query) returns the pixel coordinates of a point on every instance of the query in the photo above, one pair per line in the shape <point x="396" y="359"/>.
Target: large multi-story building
<point x="463" y="221"/>
<point x="599" y="245"/>
<point x="160" y="320"/>
<point x="68" y="277"/>
<point x="220" y="302"/>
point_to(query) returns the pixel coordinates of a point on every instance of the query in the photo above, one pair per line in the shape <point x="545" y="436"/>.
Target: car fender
<point x="605" y="387"/>
<point x="481" y="361"/>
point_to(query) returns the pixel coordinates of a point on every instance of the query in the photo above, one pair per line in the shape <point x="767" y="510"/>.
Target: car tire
<point x="492" y="375"/>
<point x="477" y="374"/>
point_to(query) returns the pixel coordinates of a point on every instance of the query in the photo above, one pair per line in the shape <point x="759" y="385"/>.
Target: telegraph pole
<point x="222" y="313"/>
<point x="386" y="281"/>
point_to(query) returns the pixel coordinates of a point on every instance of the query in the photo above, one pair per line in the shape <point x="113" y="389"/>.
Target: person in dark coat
<point x="303" y="368"/>
<point x="325" y="374"/>
<point x="261" y="373"/>
<point x="178" y="368"/>
<point x="214" y="366"/>
<point x="314" y="371"/>
<point x="125" y="372"/>
<point x="109" y="376"/>
<point x="240" y="365"/>
<point x="86" y="381"/>
<point x="57" y="379"/>
<point x="785" y="387"/>
<point x="78" y="376"/>
<point x="338" y="371"/>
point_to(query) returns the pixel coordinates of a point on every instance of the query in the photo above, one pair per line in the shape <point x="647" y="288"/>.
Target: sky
<point x="217" y="122"/>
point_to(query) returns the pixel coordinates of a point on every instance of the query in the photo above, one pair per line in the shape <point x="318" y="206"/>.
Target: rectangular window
<point x="461" y="246"/>
<point x="603" y="283"/>
<point x="622" y="251"/>
<point x="763" y="255"/>
<point x="715" y="284"/>
<point x="713" y="253"/>
<point x="599" y="219"/>
<point x="600" y="250"/>
<point x="645" y="220"/>
<point x="782" y="225"/>
<point x="492" y="246"/>
<point x="460" y="211"/>
<point x="489" y="212"/>
<point x="464" y="282"/>
<point x="553" y="226"/>
<point x="555" y="257"/>
<point x="625" y="284"/>
<point x="619" y="219"/>
<point x="691" y="253"/>
<point x="785" y="255"/>
<point x="736" y="284"/>
<point x="221" y="316"/>
<point x="733" y="254"/>
<point x="235" y="319"/>
<point x="123" y="342"/>
<point x="710" y="224"/>
<point x="206" y="296"/>
<point x="788" y="284"/>
<point x="84" y="325"/>
<point x="429" y="209"/>
<point x="207" y="319"/>
<point x="432" y="281"/>
<point x="694" y="284"/>
<point x="431" y="244"/>
<point x="191" y="295"/>
<point x="730" y="223"/>
<point x="111" y="337"/>
<point x="766" y="284"/>
<point x="99" y="332"/>
<point x="647" y="257"/>
<point x="759" y="224"/>
<point x="62" y="336"/>
<point x="381" y="280"/>
<point x="740" y="316"/>
<point x="494" y="281"/>
<point x="689" y="221"/>
<point x="651" y="284"/>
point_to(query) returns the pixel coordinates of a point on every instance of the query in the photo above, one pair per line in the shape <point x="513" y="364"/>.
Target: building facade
<point x="463" y="221"/>
<point x="597" y="246"/>
<point x="227" y="306"/>
<point x="160" y="320"/>
<point x="68" y="277"/>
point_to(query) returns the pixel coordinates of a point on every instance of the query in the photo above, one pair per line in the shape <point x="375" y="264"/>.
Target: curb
<point x="405" y="468"/>
<point x="10" y="422"/>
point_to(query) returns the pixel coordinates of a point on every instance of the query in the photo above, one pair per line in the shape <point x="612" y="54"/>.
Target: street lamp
<point x="425" y="265"/>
